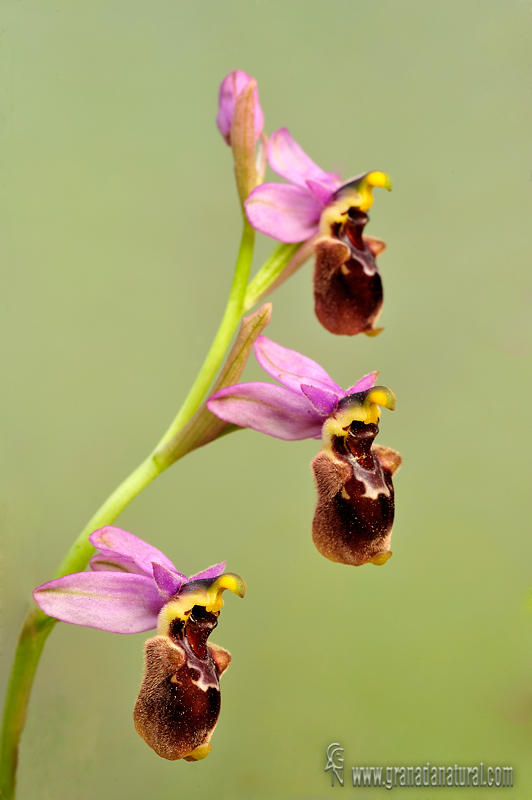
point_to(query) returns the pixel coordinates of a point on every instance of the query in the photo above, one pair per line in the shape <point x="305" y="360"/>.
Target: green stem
<point x="284" y="261"/>
<point x="268" y="273"/>
<point x="33" y="635"/>
<point x="228" y="325"/>
<point x="78" y="556"/>
<point x="37" y="626"/>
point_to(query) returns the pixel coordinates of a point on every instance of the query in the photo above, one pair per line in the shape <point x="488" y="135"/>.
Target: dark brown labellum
<point x="355" y="510"/>
<point x="179" y="701"/>
<point x="347" y="285"/>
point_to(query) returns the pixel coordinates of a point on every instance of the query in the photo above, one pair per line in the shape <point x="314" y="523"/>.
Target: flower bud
<point x="240" y="121"/>
<point x="230" y="89"/>
<point x="355" y="509"/>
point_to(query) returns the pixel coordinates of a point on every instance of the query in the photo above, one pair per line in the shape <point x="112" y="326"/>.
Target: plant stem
<point x="223" y="337"/>
<point x="33" y="635"/>
<point x="269" y="272"/>
<point x="37" y="626"/>
<point x="78" y="556"/>
<point x="284" y="261"/>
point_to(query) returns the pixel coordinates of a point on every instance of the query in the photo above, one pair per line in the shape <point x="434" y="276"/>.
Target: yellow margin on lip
<point x="181" y="606"/>
<point x="360" y="197"/>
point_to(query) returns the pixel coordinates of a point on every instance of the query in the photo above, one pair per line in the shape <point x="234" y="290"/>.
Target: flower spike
<point x="134" y="587"/>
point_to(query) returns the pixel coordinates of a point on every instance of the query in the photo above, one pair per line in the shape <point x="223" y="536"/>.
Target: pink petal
<point x="99" y="563"/>
<point x="290" y="161"/>
<point x="110" y="601"/>
<point x="292" y="368"/>
<point x="230" y="88"/>
<point x="123" y="548"/>
<point x="210" y="572"/>
<point x="321" y="192"/>
<point x="286" y="213"/>
<point x="267" y="408"/>
<point x="323" y="401"/>
<point x="168" y="583"/>
<point x="367" y="382"/>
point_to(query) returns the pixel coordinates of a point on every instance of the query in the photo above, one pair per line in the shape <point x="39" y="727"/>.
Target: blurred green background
<point x="120" y="230"/>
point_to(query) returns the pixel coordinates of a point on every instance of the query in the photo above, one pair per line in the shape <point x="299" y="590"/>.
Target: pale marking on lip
<point x="203" y="684"/>
<point x="369" y="478"/>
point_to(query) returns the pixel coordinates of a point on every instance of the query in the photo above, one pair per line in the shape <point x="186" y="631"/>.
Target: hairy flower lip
<point x="354" y="515"/>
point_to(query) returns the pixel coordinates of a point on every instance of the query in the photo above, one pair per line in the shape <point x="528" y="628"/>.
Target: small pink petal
<point x="367" y="382"/>
<point x="123" y="548"/>
<point x="211" y="572"/>
<point x="290" y="161"/>
<point x="287" y="213"/>
<point x="323" y="401"/>
<point x="110" y="601"/>
<point x="267" y="408"/>
<point x="321" y="192"/>
<point x="99" y="563"/>
<point x="168" y="583"/>
<point x="292" y="368"/>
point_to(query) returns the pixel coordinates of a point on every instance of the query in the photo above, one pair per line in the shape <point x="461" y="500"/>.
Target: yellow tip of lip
<point x="382" y="396"/>
<point x="380" y="558"/>
<point x="380" y="179"/>
<point x="367" y="184"/>
<point x="199" y="753"/>
<point x="229" y="580"/>
<point x="373" y="331"/>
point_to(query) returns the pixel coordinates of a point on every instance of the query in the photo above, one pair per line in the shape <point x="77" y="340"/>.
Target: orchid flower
<point x="347" y="285"/>
<point x="132" y="588"/>
<point x="355" y="510"/>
